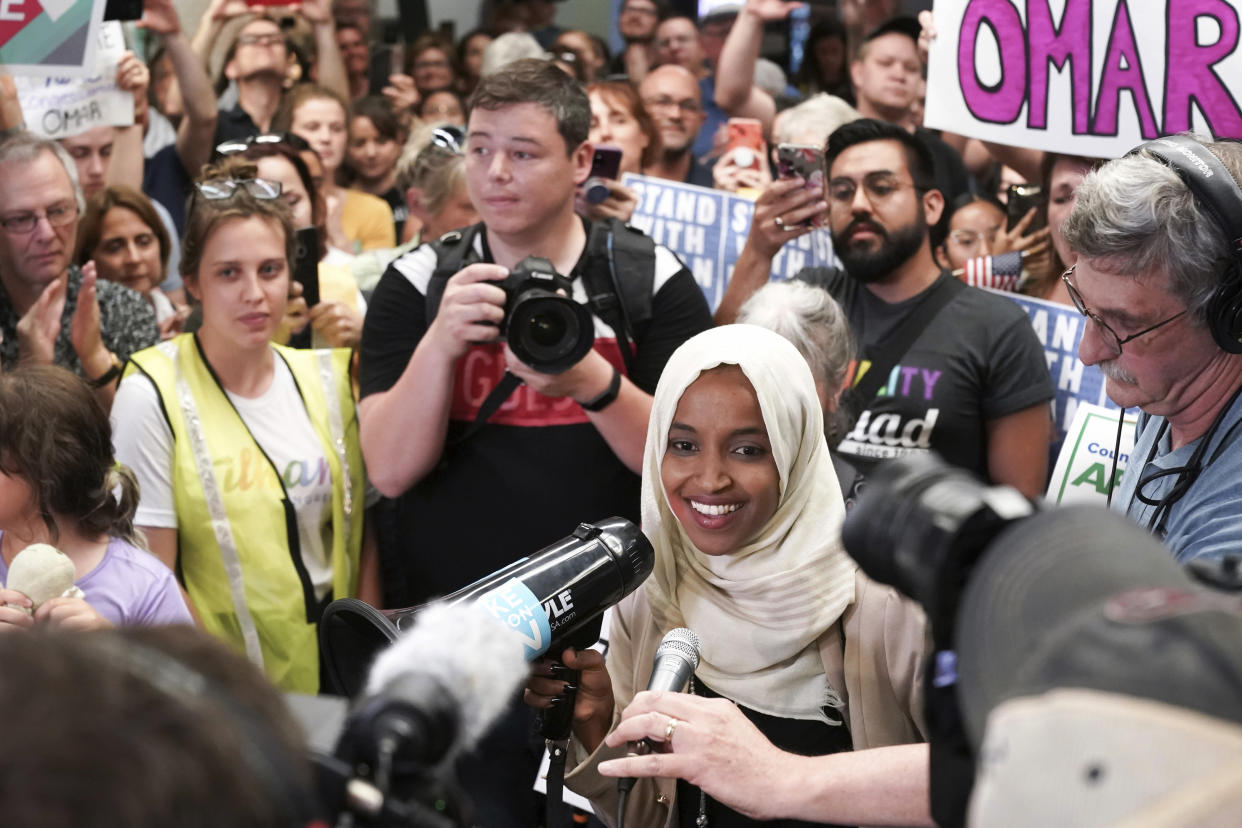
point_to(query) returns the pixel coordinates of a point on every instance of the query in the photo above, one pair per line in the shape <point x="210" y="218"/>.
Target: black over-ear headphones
<point x="1215" y="189"/>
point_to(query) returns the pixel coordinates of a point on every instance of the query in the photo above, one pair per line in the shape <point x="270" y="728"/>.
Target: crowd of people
<point x="249" y="364"/>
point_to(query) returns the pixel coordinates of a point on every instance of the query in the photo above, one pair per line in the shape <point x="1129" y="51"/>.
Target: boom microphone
<point x="549" y="601"/>
<point x="429" y="697"/>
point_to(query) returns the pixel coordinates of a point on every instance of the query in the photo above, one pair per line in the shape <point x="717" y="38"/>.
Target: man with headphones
<point x="1159" y="275"/>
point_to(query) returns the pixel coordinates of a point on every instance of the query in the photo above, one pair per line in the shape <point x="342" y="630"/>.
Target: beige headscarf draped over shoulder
<point x="759" y="610"/>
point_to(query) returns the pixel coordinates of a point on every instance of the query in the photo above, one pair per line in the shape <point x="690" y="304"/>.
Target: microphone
<point x="549" y="601"/>
<point x="430" y="696"/>
<point x="675" y="661"/>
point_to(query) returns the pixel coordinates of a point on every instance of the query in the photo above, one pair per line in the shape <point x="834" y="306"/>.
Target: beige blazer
<point x="872" y="656"/>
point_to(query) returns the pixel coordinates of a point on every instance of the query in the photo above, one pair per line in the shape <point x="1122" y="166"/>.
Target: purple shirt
<point x="130" y="588"/>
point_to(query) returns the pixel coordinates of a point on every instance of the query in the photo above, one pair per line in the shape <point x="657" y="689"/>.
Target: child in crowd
<point x="59" y="485"/>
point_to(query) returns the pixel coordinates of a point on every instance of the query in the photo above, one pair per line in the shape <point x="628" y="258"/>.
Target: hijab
<point x="761" y="609"/>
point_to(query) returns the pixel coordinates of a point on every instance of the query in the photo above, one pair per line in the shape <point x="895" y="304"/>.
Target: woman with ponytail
<point x="59" y="485"/>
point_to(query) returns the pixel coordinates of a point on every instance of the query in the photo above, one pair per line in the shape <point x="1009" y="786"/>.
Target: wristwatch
<point x="108" y="376"/>
<point x="608" y="397"/>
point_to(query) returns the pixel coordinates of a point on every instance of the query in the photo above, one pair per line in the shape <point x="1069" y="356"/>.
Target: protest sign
<point x="61" y="107"/>
<point x="1081" y="474"/>
<point x="707" y="229"/>
<point x="44" y="37"/>
<point x="1086" y="77"/>
<point x="1060" y="328"/>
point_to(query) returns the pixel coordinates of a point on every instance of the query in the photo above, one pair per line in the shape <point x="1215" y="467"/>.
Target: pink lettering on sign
<point x="1189" y="75"/>
<point x="1070" y="42"/>
<point x="1122" y="72"/>
<point x="1001" y="102"/>
<point x="14" y="15"/>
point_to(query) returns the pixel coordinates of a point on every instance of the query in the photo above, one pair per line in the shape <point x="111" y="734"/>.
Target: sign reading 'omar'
<point x="1089" y="77"/>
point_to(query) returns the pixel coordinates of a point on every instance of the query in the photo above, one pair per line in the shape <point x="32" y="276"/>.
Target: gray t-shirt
<point x="978" y="360"/>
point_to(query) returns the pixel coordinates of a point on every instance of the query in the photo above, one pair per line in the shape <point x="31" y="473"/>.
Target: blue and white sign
<point x="707" y="229"/>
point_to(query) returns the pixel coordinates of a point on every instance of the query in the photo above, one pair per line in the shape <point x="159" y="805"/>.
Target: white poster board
<point x="62" y="106"/>
<point x="1086" y="77"/>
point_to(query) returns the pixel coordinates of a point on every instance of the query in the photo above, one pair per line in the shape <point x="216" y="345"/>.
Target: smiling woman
<point x="742" y="506"/>
<point x="246" y="452"/>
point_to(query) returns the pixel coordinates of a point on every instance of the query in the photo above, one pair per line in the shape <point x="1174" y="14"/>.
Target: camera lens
<point x="548" y="332"/>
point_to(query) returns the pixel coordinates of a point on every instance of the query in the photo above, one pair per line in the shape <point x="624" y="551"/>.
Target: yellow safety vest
<point x="237" y="546"/>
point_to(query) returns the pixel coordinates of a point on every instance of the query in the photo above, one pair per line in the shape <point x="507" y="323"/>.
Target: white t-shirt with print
<point x="280" y="425"/>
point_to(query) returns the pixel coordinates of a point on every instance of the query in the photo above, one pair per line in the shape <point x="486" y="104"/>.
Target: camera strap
<point x="491" y="404"/>
<point x="886" y="356"/>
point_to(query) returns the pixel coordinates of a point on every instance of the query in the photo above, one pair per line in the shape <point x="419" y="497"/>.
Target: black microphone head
<point x="681" y="642"/>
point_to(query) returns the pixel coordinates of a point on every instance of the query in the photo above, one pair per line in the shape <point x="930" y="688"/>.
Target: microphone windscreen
<point x="466" y="652"/>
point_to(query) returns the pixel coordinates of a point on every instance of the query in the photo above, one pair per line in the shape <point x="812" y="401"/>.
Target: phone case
<point x="748" y="133"/>
<point x="606" y="163"/>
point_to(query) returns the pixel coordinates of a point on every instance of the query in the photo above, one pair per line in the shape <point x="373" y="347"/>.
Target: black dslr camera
<point x="548" y="331"/>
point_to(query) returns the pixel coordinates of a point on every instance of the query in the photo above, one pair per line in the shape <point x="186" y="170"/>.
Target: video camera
<point x="1063" y="622"/>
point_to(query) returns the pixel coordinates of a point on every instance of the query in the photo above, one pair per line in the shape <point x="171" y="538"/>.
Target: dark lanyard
<point x="1158" y="521"/>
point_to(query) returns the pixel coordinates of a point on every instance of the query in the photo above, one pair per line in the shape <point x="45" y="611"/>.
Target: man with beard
<point x="969" y="382"/>
<point x="671" y="94"/>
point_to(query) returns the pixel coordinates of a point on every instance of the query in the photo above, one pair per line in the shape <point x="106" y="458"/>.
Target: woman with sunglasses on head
<point x="431" y="174"/>
<point x="123" y="235"/>
<point x="336" y="320"/>
<point x="356" y="220"/>
<point x="253" y="487"/>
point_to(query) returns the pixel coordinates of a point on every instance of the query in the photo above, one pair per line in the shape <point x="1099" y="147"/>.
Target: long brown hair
<point x="626" y="94"/>
<point x="56" y="436"/>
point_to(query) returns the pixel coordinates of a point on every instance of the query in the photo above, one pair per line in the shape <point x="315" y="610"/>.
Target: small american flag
<point x="997" y="272"/>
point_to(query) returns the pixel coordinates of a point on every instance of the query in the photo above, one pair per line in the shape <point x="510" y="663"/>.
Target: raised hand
<point x="38" y="328"/>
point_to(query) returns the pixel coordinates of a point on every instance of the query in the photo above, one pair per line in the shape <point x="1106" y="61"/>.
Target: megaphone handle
<point x="559" y="717"/>
<point x="554" y="727"/>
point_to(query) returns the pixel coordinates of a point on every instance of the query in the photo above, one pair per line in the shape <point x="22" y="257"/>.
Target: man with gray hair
<point x="1159" y="276"/>
<point x="51" y="311"/>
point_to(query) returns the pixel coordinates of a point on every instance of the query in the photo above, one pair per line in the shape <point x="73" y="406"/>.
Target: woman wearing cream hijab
<point x="742" y="506"/>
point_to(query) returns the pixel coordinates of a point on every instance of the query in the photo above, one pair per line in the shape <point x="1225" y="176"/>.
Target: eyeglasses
<point x="233" y="147"/>
<point x="1109" y="336"/>
<point x="58" y="215"/>
<point x="261" y="40"/>
<point x="971" y="238"/>
<point x="449" y="138"/>
<point x="646" y="11"/>
<point x="219" y="189"/>
<point x="687" y="107"/>
<point x="431" y="64"/>
<point x="879" y="187"/>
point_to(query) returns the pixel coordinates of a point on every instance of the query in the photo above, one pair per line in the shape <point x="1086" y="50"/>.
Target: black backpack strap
<point x="892" y="350"/>
<point x="454" y="250"/>
<point x="619" y="274"/>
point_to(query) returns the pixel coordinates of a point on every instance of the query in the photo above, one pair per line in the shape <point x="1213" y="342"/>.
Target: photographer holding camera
<point x="473" y="490"/>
